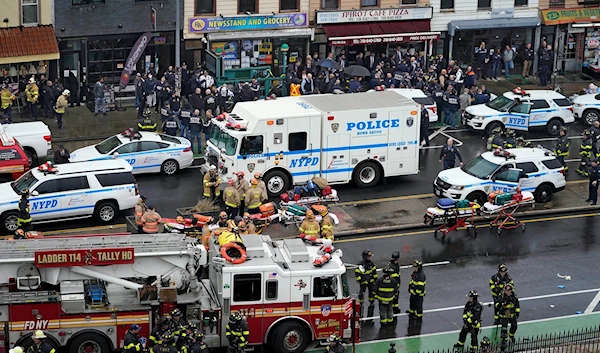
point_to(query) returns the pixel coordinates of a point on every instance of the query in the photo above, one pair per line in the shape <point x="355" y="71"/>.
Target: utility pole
<point x="178" y="34"/>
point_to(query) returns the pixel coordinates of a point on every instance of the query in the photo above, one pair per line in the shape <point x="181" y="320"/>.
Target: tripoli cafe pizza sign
<point x="375" y="15"/>
<point x="83" y="257"/>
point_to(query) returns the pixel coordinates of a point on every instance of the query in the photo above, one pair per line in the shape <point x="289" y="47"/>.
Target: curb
<point x="367" y="231"/>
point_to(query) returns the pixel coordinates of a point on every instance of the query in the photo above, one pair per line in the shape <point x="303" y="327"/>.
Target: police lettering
<point x="516" y="121"/>
<point x="44" y="204"/>
<point x="172" y="123"/>
<point x="304" y="162"/>
<point x="373" y="125"/>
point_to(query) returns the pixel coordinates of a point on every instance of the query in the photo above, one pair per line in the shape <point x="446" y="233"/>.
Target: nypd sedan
<point x="147" y="152"/>
<point x="587" y="108"/>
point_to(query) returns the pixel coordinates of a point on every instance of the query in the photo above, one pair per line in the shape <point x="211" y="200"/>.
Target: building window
<point x="484" y="4"/>
<point x="521" y="2"/>
<point x="288" y="5"/>
<point x="329" y="4"/>
<point x="409" y="2"/>
<point x="369" y="3"/>
<point x="447" y="5"/>
<point x="87" y="2"/>
<point x="557" y="3"/>
<point x="247" y="6"/>
<point x="29" y="11"/>
<point x="205" y="6"/>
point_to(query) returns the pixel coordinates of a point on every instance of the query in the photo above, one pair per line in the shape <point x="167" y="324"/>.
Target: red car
<point x="13" y="160"/>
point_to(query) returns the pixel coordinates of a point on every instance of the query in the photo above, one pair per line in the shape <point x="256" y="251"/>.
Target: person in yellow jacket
<point x="249" y="224"/>
<point x="261" y="185"/>
<point x="61" y="105"/>
<point x="310" y="227"/>
<point x="140" y="209"/>
<point x="7" y="98"/>
<point x="150" y="221"/>
<point x="242" y="186"/>
<point x="32" y="92"/>
<point x="295" y="89"/>
<point x="211" y="183"/>
<point x="254" y="198"/>
<point x="326" y="225"/>
<point x="231" y="197"/>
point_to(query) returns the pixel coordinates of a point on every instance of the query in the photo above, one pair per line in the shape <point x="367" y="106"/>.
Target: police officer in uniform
<point x="393" y="264"/>
<point x="497" y="283"/>
<point x="562" y="148"/>
<point x="448" y="155"/>
<point x="237" y="333"/>
<point x="511" y="139"/>
<point x="196" y="129"/>
<point x="24" y="217"/>
<point x="594" y="180"/>
<point x="508" y="311"/>
<point x="595" y="137"/>
<point x="170" y="125"/>
<point x="366" y="275"/>
<point x="385" y="292"/>
<point x="416" y="288"/>
<point x="165" y="112"/>
<point x="132" y="343"/>
<point x="453" y="108"/>
<point x="585" y="151"/>
<point x="147" y="124"/>
<point x="471" y="322"/>
<point x="424" y="125"/>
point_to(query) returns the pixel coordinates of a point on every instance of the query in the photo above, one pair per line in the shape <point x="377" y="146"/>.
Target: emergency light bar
<point x="499" y="152"/>
<point x="233" y="121"/>
<point x="520" y="92"/>
<point x="47" y="168"/>
<point x="132" y="134"/>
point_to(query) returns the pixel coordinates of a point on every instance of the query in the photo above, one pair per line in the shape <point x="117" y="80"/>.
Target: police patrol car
<point x="520" y="110"/>
<point x="70" y="191"/>
<point x="532" y="169"/>
<point x="147" y="152"/>
<point x="587" y="108"/>
<point x="420" y="97"/>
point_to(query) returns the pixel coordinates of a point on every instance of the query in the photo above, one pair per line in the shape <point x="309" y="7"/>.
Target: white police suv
<point x="587" y="108"/>
<point x="521" y="110"/>
<point x="69" y="191"/>
<point x="147" y="152"/>
<point x="531" y="169"/>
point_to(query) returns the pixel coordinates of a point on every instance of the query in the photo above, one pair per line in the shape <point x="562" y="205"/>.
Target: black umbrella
<point x="329" y="64"/>
<point x="357" y="70"/>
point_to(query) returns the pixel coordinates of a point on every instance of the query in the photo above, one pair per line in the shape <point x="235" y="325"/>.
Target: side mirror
<point x="115" y="155"/>
<point x="35" y="193"/>
<point x="523" y="175"/>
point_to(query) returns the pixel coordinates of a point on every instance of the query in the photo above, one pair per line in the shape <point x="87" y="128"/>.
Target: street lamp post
<point x="219" y="53"/>
<point x="284" y="49"/>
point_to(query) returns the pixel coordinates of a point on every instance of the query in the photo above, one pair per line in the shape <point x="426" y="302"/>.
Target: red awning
<point x="379" y="32"/>
<point x="19" y="44"/>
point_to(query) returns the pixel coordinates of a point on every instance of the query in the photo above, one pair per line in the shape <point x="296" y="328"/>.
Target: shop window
<point x="409" y="2"/>
<point x="484" y="4"/>
<point x="29" y="12"/>
<point x="557" y="3"/>
<point x="289" y="5"/>
<point x="87" y="2"/>
<point x="447" y="5"/>
<point x="205" y="6"/>
<point x="247" y="287"/>
<point x="369" y="3"/>
<point x="247" y="6"/>
<point x="329" y="4"/>
<point x="521" y="2"/>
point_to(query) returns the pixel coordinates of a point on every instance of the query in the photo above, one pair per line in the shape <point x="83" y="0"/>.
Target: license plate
<point x="438" y="192"/>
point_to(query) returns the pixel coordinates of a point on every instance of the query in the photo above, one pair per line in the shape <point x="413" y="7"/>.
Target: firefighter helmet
<point x="175" y="312"/>
<point x="257" y="175"/>
<point x="502" y="268"/>
<point x="564" y="129"/>
<point x="395" y="255"/>
<point x="240" y="174"/>
<point x="39" y="334"/>
<point x="235" y="317"/>
<point x="473" y="294"/>
<point x="388" y="271"/>
<point x="586" y="133"/>
<point x="192" y="326"/>
<point x="164" y="321"/>
<point x="17" y="349"/>
<point x="486" y="342"/>
<point x="254" y="181"/>
<point x="508" y="287"/>
<point x="334" y="338"/>
<point x="366" y="253"/>
<point x="497" y="130"/>
<point x="510" y="132"/>
<point x="418" y="263"/>
<point x="231" y="182"/>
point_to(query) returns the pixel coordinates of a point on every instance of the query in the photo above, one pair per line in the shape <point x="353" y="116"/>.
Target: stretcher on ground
<point x="453" y="215"/>
<point x="329" y="197"/>
<point x="505" y="212"/>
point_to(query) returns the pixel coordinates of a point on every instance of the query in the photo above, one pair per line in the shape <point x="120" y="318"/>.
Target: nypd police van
<point x="521" y="110"/>
<point x="69" y="191"/>
<point x="531" y="169"/>
<point x="361" y="137"/>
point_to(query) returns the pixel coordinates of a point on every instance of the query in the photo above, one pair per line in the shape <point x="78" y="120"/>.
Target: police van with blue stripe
<point x="521" y="110"/>
<point x="362" y="137"/>
<point x="71" y="191"/>
<point x="531" y="169"/>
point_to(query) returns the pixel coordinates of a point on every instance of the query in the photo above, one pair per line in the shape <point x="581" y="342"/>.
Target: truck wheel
<point x="590" y="115"/>
<point x="169" y="167"/>
<point x="553" y="127"/>
<point x="492" y="126"/>
<point x="105" y="212"/>
<point x="277" y="182"/>
<point x="367" y="174"/>
<point x="543" y="193"/>
<point x="290" y="337"/>
<point x="9" y="221"/>
<point x="89" y="342"/>
<point x="31" y="157"/>
<point x="477" y="196"/>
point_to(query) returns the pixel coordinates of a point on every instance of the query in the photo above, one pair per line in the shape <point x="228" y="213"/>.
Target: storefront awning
<point x="22" y="44"/>
<point x="384" y="38"/>
<point x="379" y="32"/>
<point x="280" y="33"/>
<point x="492" y="23"/>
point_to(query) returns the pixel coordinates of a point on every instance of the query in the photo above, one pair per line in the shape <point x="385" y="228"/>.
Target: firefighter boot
<point x="370" y="311"/>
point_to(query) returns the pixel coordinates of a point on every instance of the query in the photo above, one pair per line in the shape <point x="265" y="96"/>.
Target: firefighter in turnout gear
<point x="416" y="288"/>
<point x="237" y="333"/>
<point x="261" y="185"/>
<point x="585" y="151"/>
<point x="393" y="264"/>
<point x="177" y="322"/>
<point x="521" y="143"/>
<point x="386" y="289"/>
<point x="249" y="224"/>
<point x="242" y="186"/>
<point x="164" y="347"/>
<point x="310" y="227"/>
<point x="471" y="322"/>
<point x="231" y="197"/>
<point x="147" y="124"/>
<point x="561" y="150"/>
<point x="132" y="343"/>
<point x="39" y="344"/>
<point x="508" y="311"/>
<point x="511" y="139"/>
<point x="366" y="275"/>
<point x="253" y="198"/>
<point x="211" y="183"/>
<point x="161" y="332"/>
<point x="24" y="217"/>
<point x="191" y="341"/>
<point x="497" y="283"/>
<point x="326" y="225"/>
<point x="495" y="140"/>
<point x="335" y="345"/>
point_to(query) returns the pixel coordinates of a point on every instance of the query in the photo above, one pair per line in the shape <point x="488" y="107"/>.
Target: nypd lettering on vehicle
<point x="43" y="204"/>
<point x="304" y="162"/>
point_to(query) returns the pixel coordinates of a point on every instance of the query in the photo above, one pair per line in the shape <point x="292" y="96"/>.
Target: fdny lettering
<point x="373" y="125"/>
<point x="304" y="162"/>
<point x="517" y="121"/>
<point x="36" y="325"/>
<point x="39" y="205"/>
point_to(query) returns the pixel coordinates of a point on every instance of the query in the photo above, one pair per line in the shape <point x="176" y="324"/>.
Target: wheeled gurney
<point x="505" y="218"/>
<point x="453" y="215"/>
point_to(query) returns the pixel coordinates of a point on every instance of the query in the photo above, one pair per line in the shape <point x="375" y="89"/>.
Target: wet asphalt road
<point x="534" y="258"/>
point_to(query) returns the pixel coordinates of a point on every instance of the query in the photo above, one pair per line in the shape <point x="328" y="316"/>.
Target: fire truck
<point x="361" y="137"/>
<point x="85" y="291"/>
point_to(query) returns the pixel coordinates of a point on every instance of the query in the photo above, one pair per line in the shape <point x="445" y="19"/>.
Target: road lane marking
<point x="354" y="266"/>
<point x="593" y="304"/>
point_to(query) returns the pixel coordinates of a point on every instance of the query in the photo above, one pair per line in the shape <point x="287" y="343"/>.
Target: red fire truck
<point x="85" y="291"/>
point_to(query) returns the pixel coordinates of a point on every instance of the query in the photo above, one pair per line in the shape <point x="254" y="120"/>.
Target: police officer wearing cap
<point x="497" y="283"/>
<point x="366" y="275"/>
<point x="424" y="129"/>
<point x="170" y="125"/>
<point x="132" y="343"/>
<point x="593" y="185"/>
<point x="416" y="288"/>
<point x="448" y="155"/>
<point x="393" y="264"/>
<point x="471" y="322"/>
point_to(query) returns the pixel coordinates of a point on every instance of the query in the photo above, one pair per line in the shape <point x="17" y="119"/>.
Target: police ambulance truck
<point x="361" y="137"/>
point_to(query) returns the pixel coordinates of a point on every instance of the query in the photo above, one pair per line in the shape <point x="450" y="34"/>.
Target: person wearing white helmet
<point x="211" y="183"/>
<point x="17" y="349"/>
<point x="61" y="105"/>
<point x="39" y="344"/>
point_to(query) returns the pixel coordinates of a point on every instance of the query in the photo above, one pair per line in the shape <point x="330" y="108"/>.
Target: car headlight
<point x="480" y="117"/>
<point x="457" y="187"/>
<point x="578" y="105"/>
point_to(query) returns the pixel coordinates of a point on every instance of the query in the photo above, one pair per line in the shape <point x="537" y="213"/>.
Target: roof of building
<point x="26" y="41"/>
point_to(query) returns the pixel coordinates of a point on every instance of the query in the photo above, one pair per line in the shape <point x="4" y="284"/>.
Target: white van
<point x="76" y="190"/>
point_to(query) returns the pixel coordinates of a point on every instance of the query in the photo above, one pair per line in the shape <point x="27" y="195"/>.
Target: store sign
<point x="383" y="40"/>
<point x="375" y="15"/>
<point x="81" y="257"/>
<point x="243" y="23"/>
<point x="555" y="17"/>
<point x="503" y="13"/>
